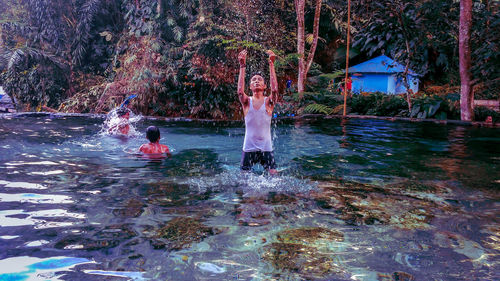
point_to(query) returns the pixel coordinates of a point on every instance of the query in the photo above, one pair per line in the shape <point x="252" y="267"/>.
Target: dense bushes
<point x="378" y="104"/>
<point x="436" y="106"/>
<point x="179" y="56"/>
<point x="481" y="113"/>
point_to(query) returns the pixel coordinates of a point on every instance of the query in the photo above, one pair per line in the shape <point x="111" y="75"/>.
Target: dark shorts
<point x="265" y="158"/>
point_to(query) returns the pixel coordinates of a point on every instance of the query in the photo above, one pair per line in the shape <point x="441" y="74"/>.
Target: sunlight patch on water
<point x="48" y="173"/>
<point x="9" y="237"/>
<point x="137" y="276"/>
<point x="22" y="163"/>
<point x="22" y="185"/>
<point x="35" y="198"/>
<point x="36" y="243"/>
<point x="31" y="268"/>
<point x="210" y="267"/>
<point x="20" y="218"/>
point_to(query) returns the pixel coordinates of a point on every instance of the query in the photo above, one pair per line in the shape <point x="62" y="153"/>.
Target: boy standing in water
<point x="258" y="110"/>
<point x="154" y="146"/>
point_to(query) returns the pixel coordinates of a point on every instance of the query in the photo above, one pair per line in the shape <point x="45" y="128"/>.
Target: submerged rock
<point x="363" y="204"/>
<point x="396" y="276"/>
<point x="310" y="235"/>
<point x="253" y="213"/>
<point x="181" y="232"/>
<point x="192" y="163"/>
<point x="109" y="237"/>
<point x="298" y="258"/>
<point x="132" y="208"/>
<point x="169" y="194"/>
<point x="493" y="240"/>
<point x="307" y="251"/>
<point x="280" y="198"/>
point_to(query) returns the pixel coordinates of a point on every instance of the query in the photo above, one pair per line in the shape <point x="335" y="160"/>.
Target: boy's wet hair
<point x="152" y="133"/>
<point x="122" y="111"/>
<point x="260" y="74"/>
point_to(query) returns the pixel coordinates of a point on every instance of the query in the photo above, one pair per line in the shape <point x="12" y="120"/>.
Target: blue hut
<point x="381" y="74"/>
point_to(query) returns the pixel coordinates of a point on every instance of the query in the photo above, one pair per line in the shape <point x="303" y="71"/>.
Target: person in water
<point x="123" y="125"/>
<point x="258" y="110"/>
<point x="154" y="146"/>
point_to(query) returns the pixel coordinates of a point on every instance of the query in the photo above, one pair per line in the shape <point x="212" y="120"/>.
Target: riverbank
<point x="284" y="118"/>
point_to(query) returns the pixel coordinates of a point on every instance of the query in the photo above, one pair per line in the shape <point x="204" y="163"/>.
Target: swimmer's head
<point x="122" y="111"/>
<point x="153" y="134"/>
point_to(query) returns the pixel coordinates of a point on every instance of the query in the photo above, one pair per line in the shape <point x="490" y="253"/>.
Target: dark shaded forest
<point x="180" y="56"/>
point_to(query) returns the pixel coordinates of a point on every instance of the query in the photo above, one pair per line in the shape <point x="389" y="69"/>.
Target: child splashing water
<point x="119" y="120"/>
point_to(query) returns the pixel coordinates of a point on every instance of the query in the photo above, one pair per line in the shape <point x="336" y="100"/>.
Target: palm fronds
<point x="316" y="108"/>
<point x="21" y="58"/>
<point x="87" y="14"/>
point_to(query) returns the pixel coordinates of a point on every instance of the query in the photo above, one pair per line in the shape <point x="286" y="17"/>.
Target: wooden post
<point x="347" y="54"/>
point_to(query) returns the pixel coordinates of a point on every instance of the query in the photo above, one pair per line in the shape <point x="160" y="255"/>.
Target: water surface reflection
<point x="355" y="200"/>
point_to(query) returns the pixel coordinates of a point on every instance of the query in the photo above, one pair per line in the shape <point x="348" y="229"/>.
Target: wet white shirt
<point x="257" y="129"/>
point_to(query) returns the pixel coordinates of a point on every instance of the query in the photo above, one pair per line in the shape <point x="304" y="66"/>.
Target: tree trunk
<point x="406" y="36"/>
<point x="299" y="9"/>
<point x="464" y="53"/>
<point x="314" y="44"/>
<point x="304" y="65"/>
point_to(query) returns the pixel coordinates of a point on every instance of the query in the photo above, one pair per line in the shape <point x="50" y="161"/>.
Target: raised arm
<point x="272" y="76"/>
<point x="241" y="78"/>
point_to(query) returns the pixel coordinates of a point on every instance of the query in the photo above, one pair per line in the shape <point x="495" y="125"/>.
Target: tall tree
<point x="305" y="65"/>
<point x="464" y="51"/>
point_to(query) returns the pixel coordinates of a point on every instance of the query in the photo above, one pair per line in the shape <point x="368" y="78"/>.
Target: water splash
<point x="114" y="122"/>
<point x="251" y="183"/>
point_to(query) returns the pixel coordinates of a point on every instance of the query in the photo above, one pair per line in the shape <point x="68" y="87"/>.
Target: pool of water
<point x="354" y="200"/>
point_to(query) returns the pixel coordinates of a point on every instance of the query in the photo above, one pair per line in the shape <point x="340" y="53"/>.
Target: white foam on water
<point x="250" y="182"/>
<point x="110" y="125"/>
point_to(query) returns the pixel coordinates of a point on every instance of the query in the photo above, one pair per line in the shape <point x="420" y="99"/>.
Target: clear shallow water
<point x="355" y="200"/>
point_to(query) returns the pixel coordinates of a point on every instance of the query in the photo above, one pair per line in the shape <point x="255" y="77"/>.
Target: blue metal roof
<point x="380" y="64"/>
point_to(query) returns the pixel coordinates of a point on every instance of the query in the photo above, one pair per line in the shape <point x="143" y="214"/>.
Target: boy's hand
<point x="242" y="57"/>
<point x="272" y="56"/>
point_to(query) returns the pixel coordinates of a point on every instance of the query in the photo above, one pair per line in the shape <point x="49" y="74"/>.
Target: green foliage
<point x="425" y="109"/>
<point x="435" y="106"/>
<point x="180" y="56"/>
<point x="378" y="104"/>
<point x="317" y="108"/>
<point x="485" y="41"/>
<point x="32" y="88"/>
<point x="481" y="113"/>
<point x="397" y="25"/>
<point x="33" y="77"/>
<point x="325" y="82"/>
